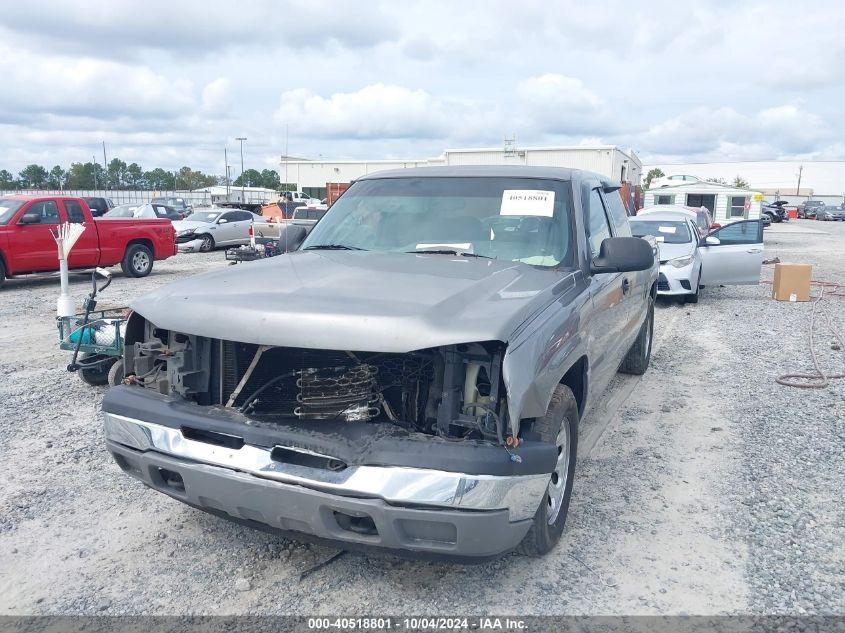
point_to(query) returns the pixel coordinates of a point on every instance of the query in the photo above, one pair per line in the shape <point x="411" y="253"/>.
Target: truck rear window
<point x="527" y="220"/>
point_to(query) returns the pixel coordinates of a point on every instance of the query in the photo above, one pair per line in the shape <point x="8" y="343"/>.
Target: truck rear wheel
<point x="558" y="426"/>
<point x="137" y="261"/>
<point x="639" y="356"/>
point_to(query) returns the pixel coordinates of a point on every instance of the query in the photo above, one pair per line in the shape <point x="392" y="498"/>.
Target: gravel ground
<point x="702" y="487"/>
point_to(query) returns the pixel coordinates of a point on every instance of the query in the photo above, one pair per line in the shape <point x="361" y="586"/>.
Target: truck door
<point x="737" y="258"/>
<point x="608" y="320"/>
<point x="635" y="289"/>
<point x="34" y="242"/>
<point x="86" y="251"/>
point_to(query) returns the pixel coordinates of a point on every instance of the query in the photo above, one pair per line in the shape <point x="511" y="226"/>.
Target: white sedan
<point x="730" y="255"/>
<point x="207" y="229"/>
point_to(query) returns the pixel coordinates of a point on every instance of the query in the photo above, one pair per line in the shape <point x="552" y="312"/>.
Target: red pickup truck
<point x="27" y="244"/>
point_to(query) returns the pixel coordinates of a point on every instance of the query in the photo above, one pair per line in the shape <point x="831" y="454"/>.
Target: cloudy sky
<point x="172" y="83"/>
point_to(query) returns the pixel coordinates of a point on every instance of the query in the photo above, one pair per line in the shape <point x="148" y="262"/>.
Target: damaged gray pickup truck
<point x="410" y="378"/>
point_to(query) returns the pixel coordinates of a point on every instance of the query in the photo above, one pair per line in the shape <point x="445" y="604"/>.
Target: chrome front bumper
<point x="520" y="495"/>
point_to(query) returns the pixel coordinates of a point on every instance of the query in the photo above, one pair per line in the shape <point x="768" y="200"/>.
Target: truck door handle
<point x="625" y="286"/>
<point x="754" y="250"/>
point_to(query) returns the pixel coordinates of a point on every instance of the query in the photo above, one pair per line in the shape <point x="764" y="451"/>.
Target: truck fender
<point x="536" y="363"/>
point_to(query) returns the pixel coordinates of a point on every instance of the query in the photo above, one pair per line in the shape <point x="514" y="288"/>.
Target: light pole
<point x="243" y="194"/>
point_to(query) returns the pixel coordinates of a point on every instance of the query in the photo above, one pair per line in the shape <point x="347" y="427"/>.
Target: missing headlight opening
<point x="454" y="391"/>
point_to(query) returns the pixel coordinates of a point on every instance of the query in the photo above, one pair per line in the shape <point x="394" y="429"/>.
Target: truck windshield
<point x="517" y="219"/>
<point x="668" y="231"/>
<point x="8" y="208"/>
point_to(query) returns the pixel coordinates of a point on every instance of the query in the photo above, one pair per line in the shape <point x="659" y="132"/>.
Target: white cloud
<point x="726" y="134"/>
<point x="375" y="111"/>
<point x="166" y="82"/>
<point x="217" y="96"/>
<point x="83" y="85"/>
<point x="557" y="104"/>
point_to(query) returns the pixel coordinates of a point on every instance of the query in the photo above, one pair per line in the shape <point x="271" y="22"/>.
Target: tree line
<point x="119" y="175"/>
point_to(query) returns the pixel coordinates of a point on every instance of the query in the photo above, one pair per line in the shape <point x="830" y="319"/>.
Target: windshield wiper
<point x="333" y="247"/>
<point x="447" y="251"/>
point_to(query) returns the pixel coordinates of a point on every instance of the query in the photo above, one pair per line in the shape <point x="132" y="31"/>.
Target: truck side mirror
<point x="623" y="254"/>
<point x="31" y="218"/>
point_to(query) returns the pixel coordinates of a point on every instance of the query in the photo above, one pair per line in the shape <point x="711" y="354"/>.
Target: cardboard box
<point x="792" y="282"/>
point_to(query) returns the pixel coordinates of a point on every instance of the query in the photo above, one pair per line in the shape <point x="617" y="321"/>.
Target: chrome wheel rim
<point x="560" y="475"/>
<point x="649" y="324"/>
<point x="140" y="261"/>
<point x="206" y="243"/>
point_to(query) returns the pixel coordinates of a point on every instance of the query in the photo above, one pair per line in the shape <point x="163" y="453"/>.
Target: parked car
<point x="206" y="230"/>
<point x="809" y="208"/>
<point x="699" y="215"/>
<point x="666" y="181"/>
<point x="776" y="211"/>
<point x="99" y="206"/>
<point x="766" y="219"/>
<point x="180" y="205"/>
<point x="732" y="254"/>
<point x="144" y="210"/>
<point x="411" y="378"/>
<point x="828" y="214"/>
<point x="132" y="210"/>
<point x="27" y="245"/>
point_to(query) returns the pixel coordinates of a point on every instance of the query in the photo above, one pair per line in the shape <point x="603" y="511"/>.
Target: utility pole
<point x="105" y="164"/>
<point x="226" y="164"/>
<point x="798" y="190"/>
<point x="94" y="169"/>
<point x="286" y="156"/>
<point x="243" y="193"/>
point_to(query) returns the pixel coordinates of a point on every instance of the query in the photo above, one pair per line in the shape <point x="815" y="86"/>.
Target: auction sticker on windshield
<point x="528" y="202"/>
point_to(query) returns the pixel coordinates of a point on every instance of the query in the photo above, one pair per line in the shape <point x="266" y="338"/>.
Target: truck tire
<point x="639" y="356"/>
<point x="95" y="376"/>
<point x="2" y="273"/>
<point x="137" y="261"/>
<point x="559" y="426"/>
<point x="207" y="244"/>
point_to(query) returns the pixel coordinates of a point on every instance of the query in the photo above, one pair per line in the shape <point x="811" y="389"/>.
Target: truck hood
<point x="357" y="301"/>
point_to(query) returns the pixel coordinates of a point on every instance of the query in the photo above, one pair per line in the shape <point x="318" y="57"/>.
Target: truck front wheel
<point x="137" y="261"/>
<point x="560" y="427"/>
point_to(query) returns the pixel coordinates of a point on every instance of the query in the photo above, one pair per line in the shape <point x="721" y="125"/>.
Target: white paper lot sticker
<point x="667" y="229"/>
<point x="528" y="202"/>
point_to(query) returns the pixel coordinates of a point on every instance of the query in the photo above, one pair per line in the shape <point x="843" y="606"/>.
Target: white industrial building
<point x="820" y="179"/>
<point x="608" y="160"/>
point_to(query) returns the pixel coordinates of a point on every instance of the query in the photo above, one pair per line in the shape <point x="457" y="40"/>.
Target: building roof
<point x="486" y="171"/>
<point x="468" y="150"/>
<point x="698" y="187"/>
